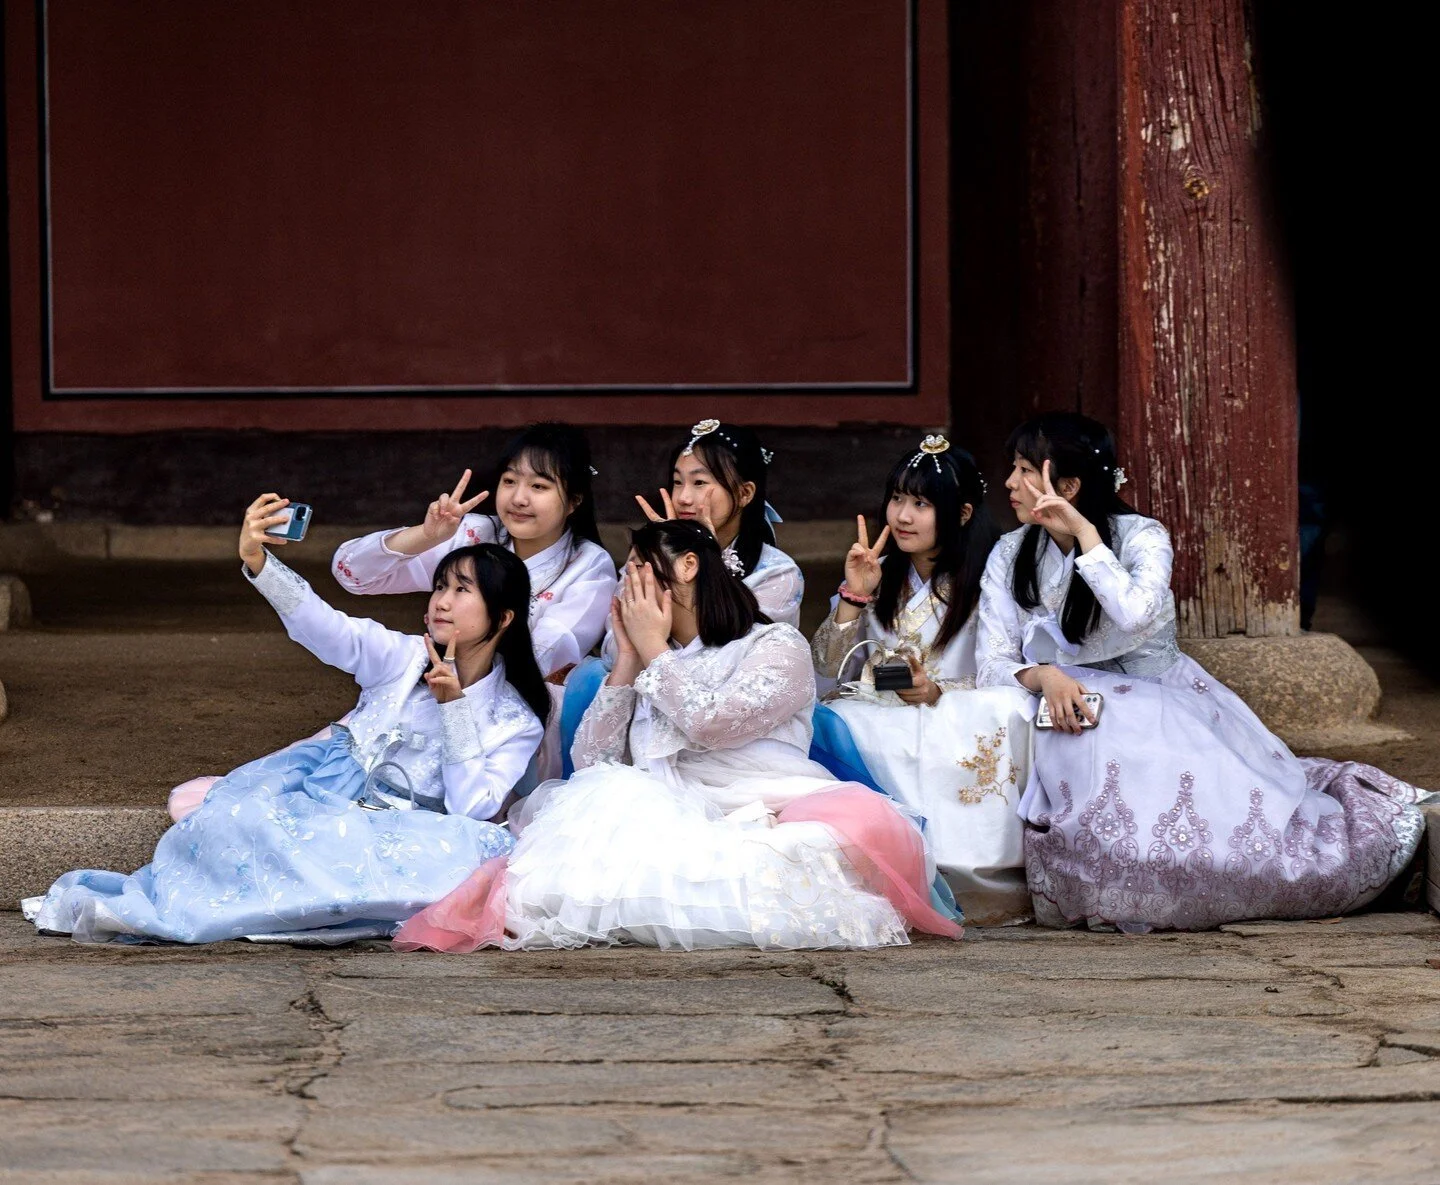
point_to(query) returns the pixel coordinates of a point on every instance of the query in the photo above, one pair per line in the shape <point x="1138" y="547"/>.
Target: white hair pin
<point x="1120" y="478"/>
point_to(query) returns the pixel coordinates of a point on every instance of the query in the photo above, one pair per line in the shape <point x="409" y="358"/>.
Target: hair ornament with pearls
<point x="1120" y="478"/>
<point x="932" y="446"/>
<point x="703" y="428"/>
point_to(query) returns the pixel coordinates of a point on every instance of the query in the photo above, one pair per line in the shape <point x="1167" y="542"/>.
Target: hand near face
<point x="442" y="518"/>
<point x="862" y="562"/>
<point x="646" y="612"/>
<point x="702" y="516"/>
<point x="1052" y="510"/>
<point x="442" y="678"/>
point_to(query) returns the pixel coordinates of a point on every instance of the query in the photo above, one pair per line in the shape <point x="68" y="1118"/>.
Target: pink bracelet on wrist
<point x="859" y="600"/>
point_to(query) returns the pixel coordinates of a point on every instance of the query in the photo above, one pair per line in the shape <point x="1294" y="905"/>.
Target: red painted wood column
<point x="1207" y="411"/>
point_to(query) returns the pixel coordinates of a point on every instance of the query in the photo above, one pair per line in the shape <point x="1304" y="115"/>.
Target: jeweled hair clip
<point x="703" y="428"/>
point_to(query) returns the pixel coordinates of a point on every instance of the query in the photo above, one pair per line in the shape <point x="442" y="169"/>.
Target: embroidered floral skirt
<point x="1182" y="811"/>
<point x="277" y="845"/>
<point x="963" y="765"/>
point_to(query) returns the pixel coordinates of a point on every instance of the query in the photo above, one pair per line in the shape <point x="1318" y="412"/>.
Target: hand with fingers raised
<point x="862" y="561"/>
<point x="443" y="517"/>
<point x="442" y="677"/>
<point x="260" y="516"/>
<point x="646" y="613"/>
<point x="702" y="516"/>
<point x="1052" y="510"/>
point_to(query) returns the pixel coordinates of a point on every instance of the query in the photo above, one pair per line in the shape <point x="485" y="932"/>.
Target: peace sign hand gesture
<point x="862" y="562"/>
<point x="1051" y="510"/>
<point x="442" y="519"/>
<point x="442" y="678"/>
<point x="702" y="516"/>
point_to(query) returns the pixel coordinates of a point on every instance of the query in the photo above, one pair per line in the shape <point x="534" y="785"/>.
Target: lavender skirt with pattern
<point x="1182" y="811"/>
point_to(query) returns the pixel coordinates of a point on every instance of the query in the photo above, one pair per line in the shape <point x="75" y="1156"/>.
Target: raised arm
<point x="1133" y="593"/>
<point x="404" y="560"/>
<point x="363" y="648"/>
<point x="773" y="682"/>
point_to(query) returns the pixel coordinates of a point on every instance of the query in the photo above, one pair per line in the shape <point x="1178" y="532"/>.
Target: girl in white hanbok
<point x="719" y="478"/>
<point x="545" y="515"/>
<point x="694" y="818"/>
<point x="347" y="836"/>
<point x="955" y="755"/>
<point x="1179" y="809"/>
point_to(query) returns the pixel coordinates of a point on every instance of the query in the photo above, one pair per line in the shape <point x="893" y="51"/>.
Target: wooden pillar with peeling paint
<point x="1207" y="410"/>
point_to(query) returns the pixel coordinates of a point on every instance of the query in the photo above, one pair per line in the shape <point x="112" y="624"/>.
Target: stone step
<point x="38" y="843"/>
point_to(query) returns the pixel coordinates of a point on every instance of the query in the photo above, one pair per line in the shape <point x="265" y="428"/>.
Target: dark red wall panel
<point x="227" y="211"/>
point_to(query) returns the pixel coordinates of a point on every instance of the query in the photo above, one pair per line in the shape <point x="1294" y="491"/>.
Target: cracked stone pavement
<point x="1304" y="1051"/>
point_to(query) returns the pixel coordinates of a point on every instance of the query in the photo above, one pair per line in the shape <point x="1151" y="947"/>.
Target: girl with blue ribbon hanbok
<point x="1174" y="807"/>
<point x="905" y="615"/>
<point x="354" y="833"/>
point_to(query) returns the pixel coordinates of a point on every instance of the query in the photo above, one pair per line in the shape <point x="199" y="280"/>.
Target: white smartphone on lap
<point x="1092" y="699"/>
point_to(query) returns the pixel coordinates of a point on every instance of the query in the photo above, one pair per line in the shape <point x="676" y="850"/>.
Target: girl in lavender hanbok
<point x="355" y="833"/>
<point x="718" y="477"/>
<point x="694" y="818"/>
<point x="957" y="755"/>
<point x="1179" y="809"/>
<point x="545" y="515"/>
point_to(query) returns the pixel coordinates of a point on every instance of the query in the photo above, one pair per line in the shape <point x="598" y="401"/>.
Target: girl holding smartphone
<point x="1178" y="808"/>
<point x="356" y="832"/>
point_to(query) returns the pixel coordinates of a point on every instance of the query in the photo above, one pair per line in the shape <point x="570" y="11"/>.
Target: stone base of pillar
<point x="1314" y="691"/>
<point x="14" y="602"/>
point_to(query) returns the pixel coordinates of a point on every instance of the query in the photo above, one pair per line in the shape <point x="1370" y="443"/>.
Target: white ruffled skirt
<point x="617" y="855"/>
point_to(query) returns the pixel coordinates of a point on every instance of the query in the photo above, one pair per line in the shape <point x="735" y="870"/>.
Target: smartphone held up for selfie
<point x="293" y="529"/>
<point x="1092" y="699"/>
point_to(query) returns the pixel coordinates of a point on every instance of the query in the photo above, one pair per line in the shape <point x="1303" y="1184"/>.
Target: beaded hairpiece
<point x="703" y="428"/>
<point x="1116" y="472"/>
<point x="932" y="446"/>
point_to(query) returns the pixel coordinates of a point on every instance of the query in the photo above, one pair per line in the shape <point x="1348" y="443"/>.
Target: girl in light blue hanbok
<point x="354" y="833"/>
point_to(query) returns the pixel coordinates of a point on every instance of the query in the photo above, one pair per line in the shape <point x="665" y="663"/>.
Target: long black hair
<point x="559" y="453"/>
<point x="1075" y="446"/>
<point x="734" y="455"/>
<point x="949" y="481"/>
<point x="504" y="583"/>
<point x="725" y="608"/>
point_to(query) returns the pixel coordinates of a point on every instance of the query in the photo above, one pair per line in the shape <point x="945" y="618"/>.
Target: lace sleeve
<point x="773" y="682"/>
<point x="1135" y="592"/>
<point x="604" y="732"/>
<point x="779" y="589"/>
<point x="999" y="634"/>
<point x="832" y="641"/>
